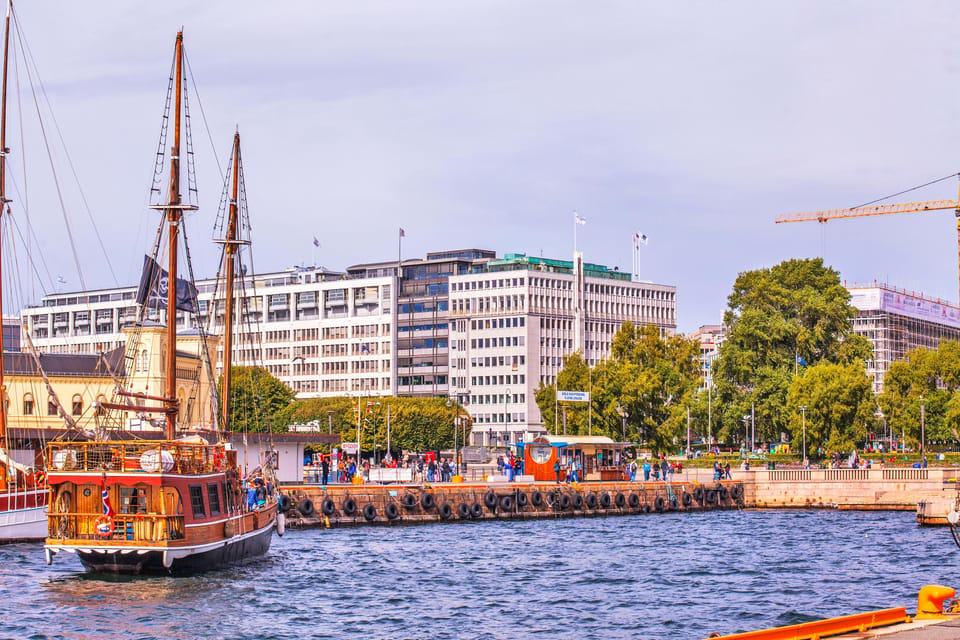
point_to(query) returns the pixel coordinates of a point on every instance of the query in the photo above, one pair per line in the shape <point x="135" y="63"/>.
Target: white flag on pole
<point x="578" y="219"/>
<point x="641" y="238"/>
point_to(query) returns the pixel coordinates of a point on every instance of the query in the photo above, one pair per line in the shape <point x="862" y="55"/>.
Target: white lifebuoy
<point x="281" y="524"/>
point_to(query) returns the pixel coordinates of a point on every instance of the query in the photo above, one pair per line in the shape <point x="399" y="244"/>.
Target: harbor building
<point x="316" y="330"/>
<point x="423" y="315"/>
<point x="514" y="320"/>
<point x="896" y="320"/>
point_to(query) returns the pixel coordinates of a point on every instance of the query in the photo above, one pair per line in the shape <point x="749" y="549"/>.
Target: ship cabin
<point x="155" y="491"/>
<point x="600" y="457"/>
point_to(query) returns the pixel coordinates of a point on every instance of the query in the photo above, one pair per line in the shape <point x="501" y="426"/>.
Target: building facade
<point x="514" y="320"/>
<point x="895" y="321"/>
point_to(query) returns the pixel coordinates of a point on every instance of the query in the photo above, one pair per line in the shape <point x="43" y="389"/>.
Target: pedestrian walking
<point x="646" y="471"/>
<point x="324" y="470"/>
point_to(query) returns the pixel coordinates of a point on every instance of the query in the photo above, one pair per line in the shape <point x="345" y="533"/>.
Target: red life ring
<point x="104" y="526"/>
<point x="40" y="478"/>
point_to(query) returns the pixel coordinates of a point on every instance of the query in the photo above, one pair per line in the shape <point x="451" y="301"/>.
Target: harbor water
<point x="647" y="576"/>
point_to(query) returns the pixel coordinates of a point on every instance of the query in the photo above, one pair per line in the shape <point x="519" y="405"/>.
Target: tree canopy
<point x="255" y="396"/>
<point x="780" y="320"/>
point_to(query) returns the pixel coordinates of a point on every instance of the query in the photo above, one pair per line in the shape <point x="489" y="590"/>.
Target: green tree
<point x="572" y="418"/>
<point x="255" y="396"/>
<point x="839" y="408"/>
<point x="929" y="379"/>
<point x="776" y="317"/>
<point x="416" y="424"/>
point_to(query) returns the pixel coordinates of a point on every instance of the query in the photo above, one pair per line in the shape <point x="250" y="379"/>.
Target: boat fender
<point x="658" y="503"/>
<point x="724" y="493"/>
<point x="687" y="499"/>
<point x="463" y="511"/>
<point x="281" y="524"/>
<point x="620" y="500"/>
<point x="674" y="505"/>
<point x="646" y="508"/>
<point x="305" y="507"/>
<point x="284" y="502"/>
<point x="506" y="503"/>
<point x="565" y="501"/>
<point x="698" y="494"/>
<point x="490" y="499"/>
<point x="328" y="507"/>
<point x="349" y="506"/>
<point x="522" y="499"/>
<point x="104" y="526"/>
<point x="735" y="491"/>
<point x="392" y="511"/>
<point x="230" y="528"/>
<point x="427" y="501"/>
<point x="445" y="511"/>
<point x="409" y="502"/>
<point x="369" y="512"/>
<point x="605" y="500"/>
<point x="551" y="499"/>
<point x="634" y="501"/>
<point x="591" y="500"/>
<point x="476" y="510"/>
<point x="536" y="499"/>
<point x="578" y="501"/>
<point x="711" y="496"/>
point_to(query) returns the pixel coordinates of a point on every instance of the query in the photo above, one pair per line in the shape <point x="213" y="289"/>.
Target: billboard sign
<point x="573" y="396"/>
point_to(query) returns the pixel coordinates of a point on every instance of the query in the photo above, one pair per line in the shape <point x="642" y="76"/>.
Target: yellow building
<point x="80" y="383"/>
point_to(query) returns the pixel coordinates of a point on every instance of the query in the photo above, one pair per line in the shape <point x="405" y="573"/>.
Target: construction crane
<point x="882" y="210"/>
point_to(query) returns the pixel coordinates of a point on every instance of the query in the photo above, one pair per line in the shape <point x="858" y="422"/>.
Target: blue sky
<point x="487" y="124"/>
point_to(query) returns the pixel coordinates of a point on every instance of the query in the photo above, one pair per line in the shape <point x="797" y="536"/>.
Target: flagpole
<point x="575" y="223"/>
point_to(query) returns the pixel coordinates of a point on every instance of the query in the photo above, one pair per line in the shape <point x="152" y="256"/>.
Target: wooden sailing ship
<point x="134" y="506"/>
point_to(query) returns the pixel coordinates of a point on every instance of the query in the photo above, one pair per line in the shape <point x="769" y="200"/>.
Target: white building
<point x="514" y="320"/>
<point x="895" y="321"/>
<point x="320" y="333"/>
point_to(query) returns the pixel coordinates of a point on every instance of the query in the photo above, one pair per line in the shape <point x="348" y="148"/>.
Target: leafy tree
<point x="638" y="394"/>
<point x="416" y="424"/>
<point x="839" y="408"/>
<point x="796" y="310"/>
<point x="574" y="376"/>
<point x="255" y="396"/>
<point x="927" y="378"/>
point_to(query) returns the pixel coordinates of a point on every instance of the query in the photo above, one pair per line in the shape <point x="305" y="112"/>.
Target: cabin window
<point x="228" y="495"/>
<point x="51" y="407"/>
<point x="76" y="407"/>
<point x="28" y="405"/>
<point x="196" y="501"/>
<point x="213" y="496"/>
<point x="133" y="500"/>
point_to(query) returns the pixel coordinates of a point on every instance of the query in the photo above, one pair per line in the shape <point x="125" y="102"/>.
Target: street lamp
<point x="803" y="420"/>
<point x="922" y="426"/>
<point x="746" y="431"/>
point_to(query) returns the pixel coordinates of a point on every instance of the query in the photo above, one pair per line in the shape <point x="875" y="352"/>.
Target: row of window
<point x="490" y="380"/>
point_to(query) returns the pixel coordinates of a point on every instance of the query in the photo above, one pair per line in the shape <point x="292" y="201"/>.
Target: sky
<point x="487" y="124"/>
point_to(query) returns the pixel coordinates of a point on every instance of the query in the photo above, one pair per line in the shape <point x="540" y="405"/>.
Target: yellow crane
<point x="882" y="210"/>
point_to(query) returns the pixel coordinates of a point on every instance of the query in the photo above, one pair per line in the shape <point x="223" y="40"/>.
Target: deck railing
<point x="138" y="527"/>
<point x="169" y="457"/>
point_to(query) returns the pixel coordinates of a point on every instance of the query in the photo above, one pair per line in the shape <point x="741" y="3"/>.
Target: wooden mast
<point x="3" y="209"/>
<point x="174" y="215"/>
<point x="230" y="250"/>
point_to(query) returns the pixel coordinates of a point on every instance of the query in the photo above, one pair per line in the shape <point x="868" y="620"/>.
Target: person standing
<point x="646" y="471"/>
<point x="324" y="469"/>
<point x="633" y="471"/>
<point x="556" y="468"/>
<point x="726" y="472"/>
<point x="664" y="469"/>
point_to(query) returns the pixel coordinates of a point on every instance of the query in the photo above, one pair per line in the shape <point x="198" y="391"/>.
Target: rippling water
<point x="653" y="576"/>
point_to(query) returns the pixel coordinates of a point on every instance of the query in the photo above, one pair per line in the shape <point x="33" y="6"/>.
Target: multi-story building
<point x="514" y="320"/>
<point x="710" y="337"/>
<point x="895" y="321"/>
<point x="423" y="315"/>
<point x="316" y="330"/>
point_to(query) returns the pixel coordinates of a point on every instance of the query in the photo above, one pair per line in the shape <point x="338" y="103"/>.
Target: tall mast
<point x="230" y="249"/>
<point x="3" y="206"/>
<point x="174" y="215"/>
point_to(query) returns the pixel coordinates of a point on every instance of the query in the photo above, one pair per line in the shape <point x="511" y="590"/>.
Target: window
<point x="133" y="500"/>
<point x="213" y="496"/>
<point x="196" y="501"/>
<point x="51" y="407"/>
<point x="76" y="406"/>
<point x="28" y="405"/>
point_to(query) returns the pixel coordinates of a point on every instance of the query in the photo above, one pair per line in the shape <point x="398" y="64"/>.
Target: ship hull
<point x="237" y="550"/>
<point x="23" y="516"/>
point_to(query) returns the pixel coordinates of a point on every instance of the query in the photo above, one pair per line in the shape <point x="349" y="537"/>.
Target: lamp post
<point x="506" y="416"/>
<point x="803" y="421"/>
<point x="922" y="426"/>
<point x="746" y="431"/>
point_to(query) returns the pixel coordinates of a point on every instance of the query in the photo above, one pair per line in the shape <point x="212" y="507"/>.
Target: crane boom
<point x="859" y="212"/>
